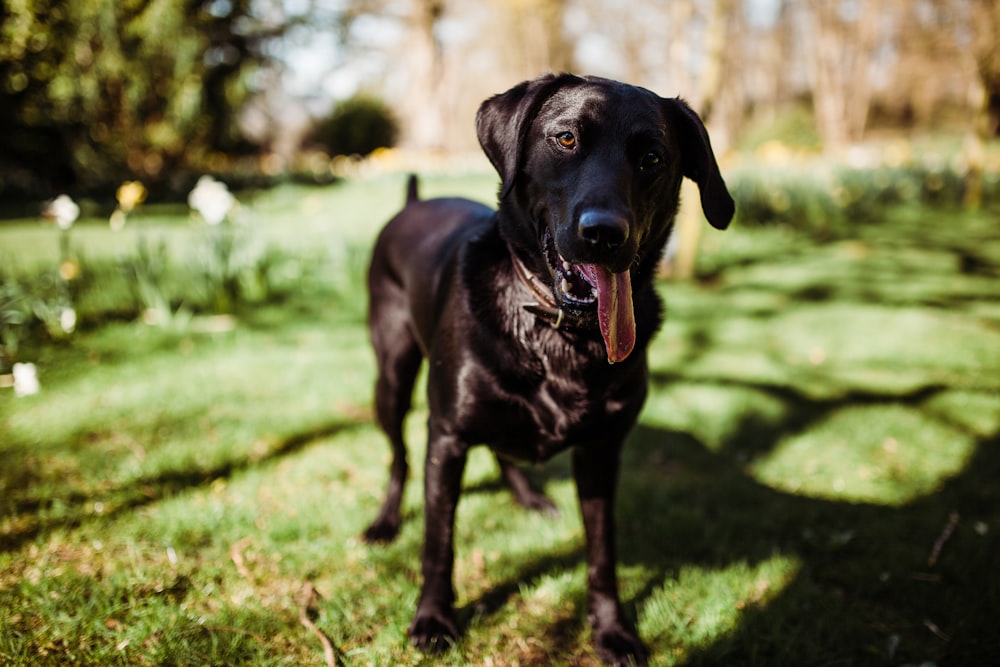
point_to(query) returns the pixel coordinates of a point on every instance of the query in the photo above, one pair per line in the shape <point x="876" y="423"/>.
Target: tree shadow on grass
<point x="30" y="517"/>
<point x="865" y="590"/>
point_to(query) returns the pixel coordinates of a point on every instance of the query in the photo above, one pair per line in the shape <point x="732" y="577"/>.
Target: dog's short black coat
<point x="535" y="318"/>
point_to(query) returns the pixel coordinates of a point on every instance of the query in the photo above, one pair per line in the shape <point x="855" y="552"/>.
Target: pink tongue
<point x="614" y="310"/>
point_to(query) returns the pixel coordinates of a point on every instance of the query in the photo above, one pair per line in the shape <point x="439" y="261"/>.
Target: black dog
<point x="535" y="319"/>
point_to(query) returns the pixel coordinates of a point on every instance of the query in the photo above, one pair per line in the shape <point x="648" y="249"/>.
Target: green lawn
<point x="813" y="480"/>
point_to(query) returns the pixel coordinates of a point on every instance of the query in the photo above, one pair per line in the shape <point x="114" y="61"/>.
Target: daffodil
<point x="69" y="269"/>
<point x="212" y="200"/>
<point x="130" y="194"/>
<point x="67" y="320"/>
<point x="62" y="210"/>
<point x="25" y="379"/>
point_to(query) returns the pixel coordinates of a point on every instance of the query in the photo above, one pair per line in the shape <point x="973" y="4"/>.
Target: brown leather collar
<point x="546" y="308"/>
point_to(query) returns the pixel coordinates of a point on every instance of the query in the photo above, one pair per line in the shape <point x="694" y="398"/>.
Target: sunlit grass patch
<point x="126" y="620"/>
<point x="887" y="454"/>
<point x="977" y="413"/>
<point x="698" y="605"/>
<point x="886" y="347"/>
<point x="716" y="414"/>
<point x="214" y="569"/>
<point x="108" y="434"/>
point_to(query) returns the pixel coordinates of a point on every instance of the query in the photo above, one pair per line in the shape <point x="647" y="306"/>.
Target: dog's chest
<point x="562" y="407"/>
<point x="536" y="391"/>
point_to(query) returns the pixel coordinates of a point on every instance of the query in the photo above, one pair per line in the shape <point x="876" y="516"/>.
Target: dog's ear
<point x="698" y="163"/>
<point x="503" y="121"/>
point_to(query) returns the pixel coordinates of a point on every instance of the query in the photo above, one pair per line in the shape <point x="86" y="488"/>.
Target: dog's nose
<point x="603" y="229"/>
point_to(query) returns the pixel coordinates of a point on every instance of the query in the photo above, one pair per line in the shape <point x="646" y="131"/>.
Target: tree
<point x="101" y="90"/>
<point x="985" y="26"/>
<point x="536" y="36"/>
<point x="984" y="92"/>
<point x="845" y="36"/>
<point x="426" y="63"/>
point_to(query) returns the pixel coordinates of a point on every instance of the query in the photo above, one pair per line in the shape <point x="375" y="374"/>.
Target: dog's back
<point x="414" y="254"/>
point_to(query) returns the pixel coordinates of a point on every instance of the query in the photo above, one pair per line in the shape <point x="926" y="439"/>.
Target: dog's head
<point x="590" y="175"/>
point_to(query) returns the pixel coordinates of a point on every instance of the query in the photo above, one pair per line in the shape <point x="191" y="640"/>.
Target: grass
<point x="820" y="415"/>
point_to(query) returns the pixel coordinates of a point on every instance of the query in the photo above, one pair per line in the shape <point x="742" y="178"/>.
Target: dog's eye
<point x="650" y="160"/>
<point x="566" y="139"/>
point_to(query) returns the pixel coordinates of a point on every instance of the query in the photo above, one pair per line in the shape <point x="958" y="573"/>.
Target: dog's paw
<point x="621" y="648"/>
<point x="433" y="631"/>
<point x="381" y="532"/>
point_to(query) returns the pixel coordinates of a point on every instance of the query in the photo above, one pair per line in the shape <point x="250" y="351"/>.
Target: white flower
<point x="62" y="210"/>
<point x="212" y="200"/>
<point x="67" y="320"/>
<point x="25" y="380"/>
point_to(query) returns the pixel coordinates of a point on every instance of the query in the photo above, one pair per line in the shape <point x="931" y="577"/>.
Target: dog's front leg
<point x="595" y="468"/>
<point x="434" y="625"/>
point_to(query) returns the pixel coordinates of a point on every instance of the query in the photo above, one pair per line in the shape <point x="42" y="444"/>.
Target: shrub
<point x="828" y="200"/>
<point x="356" y="126"/>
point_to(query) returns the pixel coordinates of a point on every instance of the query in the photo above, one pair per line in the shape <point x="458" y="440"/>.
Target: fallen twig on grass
<point x="307" y="608"/>
<point x="236" y="555"/>
<point x="942" y="538"/>
<point x="935" y="630"/>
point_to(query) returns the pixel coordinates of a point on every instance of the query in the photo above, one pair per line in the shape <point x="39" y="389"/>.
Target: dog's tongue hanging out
<point x="614" y="309"/>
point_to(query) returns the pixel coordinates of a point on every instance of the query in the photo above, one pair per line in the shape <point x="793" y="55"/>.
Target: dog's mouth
<point x="574" y="288"/>
<point x="584" y="289"/>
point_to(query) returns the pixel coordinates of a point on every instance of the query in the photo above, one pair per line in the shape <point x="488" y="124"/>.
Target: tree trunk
<point x="425" y="60"/>
<point x="844" y="40"/>
<point x="690" y="220"/>
<point x="983" y="67"/>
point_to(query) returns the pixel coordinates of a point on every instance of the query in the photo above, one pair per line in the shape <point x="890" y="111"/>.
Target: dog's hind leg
<point x="399" y="357"/>
<point x="527" y="496"/>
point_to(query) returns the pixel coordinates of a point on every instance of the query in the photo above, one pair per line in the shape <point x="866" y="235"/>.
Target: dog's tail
<point x="412" y="193"/>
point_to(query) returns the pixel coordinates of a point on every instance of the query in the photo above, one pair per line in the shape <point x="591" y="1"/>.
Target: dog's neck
<point x="546" y="308"/>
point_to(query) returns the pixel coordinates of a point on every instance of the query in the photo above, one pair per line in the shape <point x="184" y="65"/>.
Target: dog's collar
<point x="546" y="308"/>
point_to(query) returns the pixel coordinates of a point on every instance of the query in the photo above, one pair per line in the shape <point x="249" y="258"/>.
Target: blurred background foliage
<point x="98" y="91"/>
<point x="95" y="92"/>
